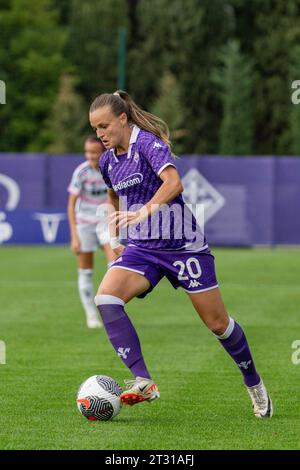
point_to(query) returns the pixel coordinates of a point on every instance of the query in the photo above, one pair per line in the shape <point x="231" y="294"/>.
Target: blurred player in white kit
<point x="88" y="227"/>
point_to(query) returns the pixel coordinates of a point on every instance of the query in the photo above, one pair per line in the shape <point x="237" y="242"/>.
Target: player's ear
<point x="123" y="119"/>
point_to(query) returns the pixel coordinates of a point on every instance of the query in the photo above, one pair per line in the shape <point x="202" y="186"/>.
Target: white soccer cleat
<point x="139" y="390"/>
<point x="93" y="323"/>
<point x="262" y="403"/>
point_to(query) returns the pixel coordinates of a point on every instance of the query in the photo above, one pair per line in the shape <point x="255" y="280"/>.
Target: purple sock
<point x="235" y="343"/>
<point x="122" y="334"/>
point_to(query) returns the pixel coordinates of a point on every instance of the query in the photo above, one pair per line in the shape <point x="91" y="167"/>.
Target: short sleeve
<point x="158" y="154"/>
<point x="103" y="167"/>
<point x="75" y="185"/>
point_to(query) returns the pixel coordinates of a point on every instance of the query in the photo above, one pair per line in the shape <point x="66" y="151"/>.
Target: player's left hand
<point x="123" y="219"/>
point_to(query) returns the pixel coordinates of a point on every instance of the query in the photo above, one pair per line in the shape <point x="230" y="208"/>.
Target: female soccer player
<point x="139" y="171"/>
<point x="87" y="191"/>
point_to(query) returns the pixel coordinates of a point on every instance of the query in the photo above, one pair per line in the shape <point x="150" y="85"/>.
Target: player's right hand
<point x="119" y="250"/>
<point x="75" y="245"/>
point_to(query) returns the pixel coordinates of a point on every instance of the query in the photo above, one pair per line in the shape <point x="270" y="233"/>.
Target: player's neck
<point x="124" y="143"/>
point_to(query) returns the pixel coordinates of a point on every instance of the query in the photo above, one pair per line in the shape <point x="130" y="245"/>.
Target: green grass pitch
<point x="203" y="403"/>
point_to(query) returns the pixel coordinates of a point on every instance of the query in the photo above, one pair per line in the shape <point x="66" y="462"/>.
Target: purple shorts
<point x="193" y="271"/>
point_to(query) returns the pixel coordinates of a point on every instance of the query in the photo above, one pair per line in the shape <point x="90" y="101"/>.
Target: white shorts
<point x="91" y="236"/>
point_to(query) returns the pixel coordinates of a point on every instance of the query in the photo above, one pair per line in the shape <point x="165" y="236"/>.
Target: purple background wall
<point x="248" y="200"/>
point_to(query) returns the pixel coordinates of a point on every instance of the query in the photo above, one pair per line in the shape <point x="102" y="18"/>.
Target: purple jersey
<point x="134" y="177"/>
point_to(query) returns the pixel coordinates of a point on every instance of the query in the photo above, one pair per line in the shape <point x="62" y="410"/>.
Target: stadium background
<point x="220" y="73"/>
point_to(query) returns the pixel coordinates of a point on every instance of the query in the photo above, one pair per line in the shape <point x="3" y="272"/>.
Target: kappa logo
<point x="123" y="352"/>
<point x="197" y="190"/>
<point x="244" y="364"/>
<point x="194" y="283"/>
<point x="131" y="180"/>
<point x="157" y="145"/>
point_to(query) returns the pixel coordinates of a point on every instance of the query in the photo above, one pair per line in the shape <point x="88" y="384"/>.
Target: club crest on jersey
<point x="136" y="157"/>
<point x="157" y="145"/>
<point x="109" y="168"/>
<point x="131" y="180"/>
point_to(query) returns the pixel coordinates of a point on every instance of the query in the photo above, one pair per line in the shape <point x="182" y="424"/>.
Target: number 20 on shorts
<point x="192" y="266"/>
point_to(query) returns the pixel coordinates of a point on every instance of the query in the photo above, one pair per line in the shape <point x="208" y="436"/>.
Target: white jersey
<point x="87" y="183"/>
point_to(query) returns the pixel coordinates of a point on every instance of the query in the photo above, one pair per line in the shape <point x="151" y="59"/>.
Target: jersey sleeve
<point x="103" y="167"/>
<point x="75" y="185"/>
<point x="158" y="154"/>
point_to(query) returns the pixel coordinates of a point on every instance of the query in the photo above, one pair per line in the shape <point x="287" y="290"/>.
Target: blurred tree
<point x="234" y="79"/>
<point x="198" y="30"/>
<point x="148" y="48"/>
<point x="179" y="37"/>
<point x="182" y="37"/>
<point x="168" y="106"/>
<point x="243" y="23"/>
<point x="67" y="123"/>
<point x="93" y="44"/>
<point x="269" y="32"/>
<point x="295" y="112"/>
<point x="63" y="7"/>
<point x="30" y="63"/>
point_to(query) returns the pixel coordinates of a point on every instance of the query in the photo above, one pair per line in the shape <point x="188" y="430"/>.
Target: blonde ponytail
<point x="145" y="120"/>
<point x="121" y="102"/>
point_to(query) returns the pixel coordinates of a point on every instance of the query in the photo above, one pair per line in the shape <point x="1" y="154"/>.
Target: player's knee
<point x="104" y="290"/>
<point x="218" y="326"/>
<point x="218" y="330"/>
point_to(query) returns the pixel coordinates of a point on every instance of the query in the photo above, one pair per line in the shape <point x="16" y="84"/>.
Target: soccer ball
<point x="98" y="398"/>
